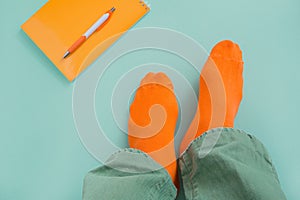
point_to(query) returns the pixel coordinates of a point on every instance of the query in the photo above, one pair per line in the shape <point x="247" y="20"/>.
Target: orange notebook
<point x="59" y="23"/>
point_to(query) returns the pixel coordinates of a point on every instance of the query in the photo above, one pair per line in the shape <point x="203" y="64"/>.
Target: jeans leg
<point x="226" y="163"/>
<point x="129" y="175"/>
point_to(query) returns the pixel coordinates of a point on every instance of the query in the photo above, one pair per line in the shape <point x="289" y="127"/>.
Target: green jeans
<point x="223" y="163"/>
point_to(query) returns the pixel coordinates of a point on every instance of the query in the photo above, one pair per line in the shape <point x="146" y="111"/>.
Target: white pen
<point x="96" y="26"/>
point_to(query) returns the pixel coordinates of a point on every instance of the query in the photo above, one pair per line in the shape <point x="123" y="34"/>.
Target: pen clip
<point x="100" y="27"/>
<point x="110" y="12"/>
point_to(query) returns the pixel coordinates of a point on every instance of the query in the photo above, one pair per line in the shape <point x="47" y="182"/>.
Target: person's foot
<point x="152" y="121"/>
<point x="220" y="91"/>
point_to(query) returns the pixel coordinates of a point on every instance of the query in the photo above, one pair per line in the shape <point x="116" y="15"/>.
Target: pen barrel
<point x="96" y="25"/>
<point x="77" y="44"/>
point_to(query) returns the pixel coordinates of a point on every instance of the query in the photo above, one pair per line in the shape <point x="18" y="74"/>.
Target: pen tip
<point x="66" y="54"/>
<point x="113" y="9"/>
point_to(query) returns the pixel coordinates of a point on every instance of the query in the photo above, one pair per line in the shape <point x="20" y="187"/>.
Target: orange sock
<point x="220" y="91"/>
<point x="152" y="121"/>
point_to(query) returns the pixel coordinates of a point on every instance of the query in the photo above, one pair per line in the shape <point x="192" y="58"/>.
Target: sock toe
<point x="228" y="50"/>
<point x="158" y="78"/>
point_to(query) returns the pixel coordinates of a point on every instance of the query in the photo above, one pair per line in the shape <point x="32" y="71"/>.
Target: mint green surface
<point x="41" y="154"/>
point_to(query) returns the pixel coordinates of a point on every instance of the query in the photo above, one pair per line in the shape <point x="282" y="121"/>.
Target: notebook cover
<point x="59" y="23"/>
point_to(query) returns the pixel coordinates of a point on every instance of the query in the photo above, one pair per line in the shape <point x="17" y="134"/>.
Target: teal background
<point x="41" y="154"/>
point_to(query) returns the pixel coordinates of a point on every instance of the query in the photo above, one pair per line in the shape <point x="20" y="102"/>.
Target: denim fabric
<point x="223" y="163"/>
<point x="237" y="167"/>
<point x="128" y="175"/>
